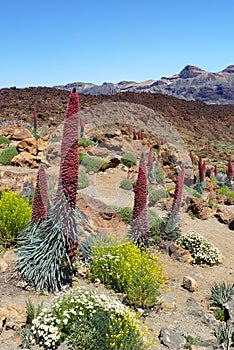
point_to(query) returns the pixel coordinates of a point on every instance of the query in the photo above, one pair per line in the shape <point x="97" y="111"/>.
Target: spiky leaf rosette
<point x="44" y="262"/>
<point x="140" y="224"/>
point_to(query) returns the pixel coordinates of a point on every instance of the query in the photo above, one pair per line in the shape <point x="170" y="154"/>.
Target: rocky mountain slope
<point x="192" y="83"/>
<point x="193" y="118"/>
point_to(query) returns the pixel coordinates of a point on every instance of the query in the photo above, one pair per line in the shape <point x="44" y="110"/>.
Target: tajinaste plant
<point x="191" y="157"/>
<point x="35" y="122"/>
<point x="81" y="127"/>
<point x="170" y="226"/>
<point x="134" y="135"/>
<point x="46" y="261"/>
<point x="199" y="186"/>
<point x="150" y="166"/>
<point x="39" y="207"/>
<point x="229" y="173"/>
<point x="140" y="224"/>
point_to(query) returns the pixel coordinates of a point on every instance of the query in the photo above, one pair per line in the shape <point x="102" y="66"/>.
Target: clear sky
<point x="51" y="42"/>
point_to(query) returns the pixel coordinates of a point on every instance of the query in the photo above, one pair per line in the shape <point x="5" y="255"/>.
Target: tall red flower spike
<point x="201" y="168"/>
<point x="215" y="170"/>
<point x="35" y="119"/>
<point x="191" y="157"/>
<point x="229" y="170"/>
<point x="134" y="135"/>
<point x="69" y="167"/>
<point x="150" y="157"/>
<point x="178" y="193"/>
<point x="140" y="223"/>
<point x="40" y="198"/>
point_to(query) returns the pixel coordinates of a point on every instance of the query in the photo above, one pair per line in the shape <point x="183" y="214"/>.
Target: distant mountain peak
<point x="229" y="69"/>
<point x="190" y="71"/>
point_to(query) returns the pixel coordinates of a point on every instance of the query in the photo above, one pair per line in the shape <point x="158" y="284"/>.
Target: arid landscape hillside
<point x="191" y="118"/>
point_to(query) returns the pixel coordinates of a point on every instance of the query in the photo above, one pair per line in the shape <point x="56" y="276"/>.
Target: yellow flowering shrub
<point x="125" y="268"/>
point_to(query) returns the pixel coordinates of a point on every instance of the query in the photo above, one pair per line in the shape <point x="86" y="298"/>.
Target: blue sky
<point x="48" y="42"/>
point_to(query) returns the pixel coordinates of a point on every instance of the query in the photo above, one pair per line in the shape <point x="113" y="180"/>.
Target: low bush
<point x="159" y="175"/>
<point x="129" y="159"/>
<point x="126" y="184"/>
<point x="7" y="154"/>
<point x="155" y="195"/>
<point x="83" y="180"/>
<point x="154" y="225"/>
<point x="85" y="142"/>
<point x="221" y="292"/>
<point x="93" y="164"/>
<point x="15" y="213"/>
<point x="4" y="140"/>
<point x="122" y="266"/>
<point x="203" y="252"/>
<point x="228" y="193"/>
<point x="125" y="213"/>
<point x="86" y="320"/>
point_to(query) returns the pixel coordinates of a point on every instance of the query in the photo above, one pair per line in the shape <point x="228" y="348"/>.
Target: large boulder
<point x="16" y="132"/>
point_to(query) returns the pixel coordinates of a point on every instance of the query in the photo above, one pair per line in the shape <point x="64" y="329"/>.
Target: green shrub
<point x="155" y="195"/>
<point x="224" y="333"/>
<point x="4" y="140"/>
<point x="86" y="320"/>
<point x="203" y="252"/>
<point x="15" y="213"/>
<point x="192" y="192"/>
<point x="154" y="224"/>
<point x="122" y="266"/>
<point x="129" y="159"/>
<point x="159" y="175"/>
<point x="81" y="156"/>
<point x="83" y="180"/>
<point x="228" y="193"/>
<point x="85" y="142"/>
<point x="125" y="213"/>
<point x="126" y="184"/>
<point x="93" y="164"/>
<point x="193" y="341"/>
<point x="7" y="154"/>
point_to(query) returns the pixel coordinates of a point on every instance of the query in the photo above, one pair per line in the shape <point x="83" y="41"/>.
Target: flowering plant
<point x="86" y="320"/>
<point x="203" y="252"/>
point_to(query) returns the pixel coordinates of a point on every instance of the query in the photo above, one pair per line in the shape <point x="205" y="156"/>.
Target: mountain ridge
<point x="191" y="84"/>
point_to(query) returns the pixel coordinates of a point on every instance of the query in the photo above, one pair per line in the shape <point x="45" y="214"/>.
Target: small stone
<point x="3" y="265"/>
<point x="190" y="284"/>
<point x="171" y="339"/>
<point x="167" y="303"/>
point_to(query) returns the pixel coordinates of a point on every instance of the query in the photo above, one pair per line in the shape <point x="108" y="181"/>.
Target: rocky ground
<point x="181" y="312"/>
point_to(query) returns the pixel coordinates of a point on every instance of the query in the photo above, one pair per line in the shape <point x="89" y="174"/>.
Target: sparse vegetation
<point x="126" y="184"/>
<point x="129" y="159"/>
<point x="7" y="154"/>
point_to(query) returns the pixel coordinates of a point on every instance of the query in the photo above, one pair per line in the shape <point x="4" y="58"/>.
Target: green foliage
<point x="169" y="227"/>
<point x="85" y="142"/>
<point x="4" y="140"/>
<point x="125" y="268"/>
<point x="192" y="192"/>
<point x="155" y="195"/>
<point x="228" y="193"/>
<point x="192" y="341"/>
<point x="203" y="252"/>
<point x="7" y="154"/>
<point x="129" y="159"/>
<point x="154" y="225"/>
<point x="199" y="186"/>
<point x="220" y="293"/>
<point x="81" y="156"/>
<point x="93" y="164"/>
<point x="126" y="184"/>
<point x="125" y="213"/>
<point x="86" y="320"/>
<point x="32" y="310"/>
<point x="159" y="175"/>
<point x="83" y="180"/>
<point x="224" y="334"/>
<point x="15" y="213"/>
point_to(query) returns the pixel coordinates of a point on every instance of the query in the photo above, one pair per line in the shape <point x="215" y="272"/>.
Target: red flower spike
<point x="178" y="193"/>
<point x="140" y="224"/>
<point x="40" y="198"/>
